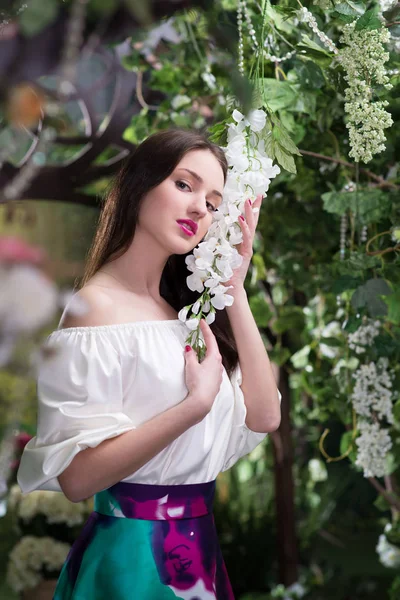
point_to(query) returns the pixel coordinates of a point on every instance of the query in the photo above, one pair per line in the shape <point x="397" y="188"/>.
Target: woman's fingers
<point x="209" y="338"/>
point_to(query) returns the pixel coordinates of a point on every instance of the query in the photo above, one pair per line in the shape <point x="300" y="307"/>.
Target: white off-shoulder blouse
<point x="108" y="379"/>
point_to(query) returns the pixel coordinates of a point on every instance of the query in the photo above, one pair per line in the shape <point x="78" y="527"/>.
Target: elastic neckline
<point x="117" y="326"/>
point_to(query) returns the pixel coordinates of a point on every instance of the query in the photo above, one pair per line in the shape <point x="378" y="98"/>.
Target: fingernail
<point x="188" y="348"/>
<point x="241" y="217"/>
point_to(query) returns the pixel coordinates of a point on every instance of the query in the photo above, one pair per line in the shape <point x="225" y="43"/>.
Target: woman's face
<point x="192" y="192"/>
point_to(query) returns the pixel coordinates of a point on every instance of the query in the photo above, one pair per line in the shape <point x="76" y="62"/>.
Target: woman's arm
<point x="258" y="381"/>
<point x="96" y="469"/>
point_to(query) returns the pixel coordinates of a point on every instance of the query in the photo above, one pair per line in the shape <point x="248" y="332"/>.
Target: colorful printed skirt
<point x="147" y="542"/>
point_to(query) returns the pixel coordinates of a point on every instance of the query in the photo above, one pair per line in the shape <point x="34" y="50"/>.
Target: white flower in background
<point x="29" y="556"/>
<point x="29" y="506"/>
<point x="373" y="445"/>
<point x="28" y="299"/>
<point x="14" y="496"/>
<point x="363" y="337"/>
<point x="331" y="330"/>
<point x="385" y="5"/>
<point x="317" y="470"/>
<point x="55" y="507"/>
<point x="389" y="555"/>
<point x="295" y="591"/>
<point x="214" y="260"/>
<point x="395" y="231"/>
<point x="373" y="391"/>
<point x="363" y="58"/>
<point x="180" y="100"/>
<point x="209" y="79"/>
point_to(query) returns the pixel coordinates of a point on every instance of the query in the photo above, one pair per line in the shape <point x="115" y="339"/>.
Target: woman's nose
<point x="200" y="206"/>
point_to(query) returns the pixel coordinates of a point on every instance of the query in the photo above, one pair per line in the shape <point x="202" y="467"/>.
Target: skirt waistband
<point x="156" y="502"/>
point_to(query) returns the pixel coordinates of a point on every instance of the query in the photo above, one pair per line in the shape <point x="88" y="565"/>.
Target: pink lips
<point x="189" y="227"/>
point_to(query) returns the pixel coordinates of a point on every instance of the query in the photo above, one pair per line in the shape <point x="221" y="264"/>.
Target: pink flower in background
<point x="15" y="250"/>
<point x="20" y="442"/>
<point x="29" y="299"/>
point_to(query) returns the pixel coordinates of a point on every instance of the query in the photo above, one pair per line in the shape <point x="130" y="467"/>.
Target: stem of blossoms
<point x="212" y="263"/>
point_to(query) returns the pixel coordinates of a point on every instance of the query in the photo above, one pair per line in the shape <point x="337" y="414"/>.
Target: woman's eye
<point x="183" y="183"/>
<point x="179" y="183"/>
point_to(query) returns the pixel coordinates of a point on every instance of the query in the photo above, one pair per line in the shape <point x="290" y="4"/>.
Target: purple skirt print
<point x="147" y="542"/>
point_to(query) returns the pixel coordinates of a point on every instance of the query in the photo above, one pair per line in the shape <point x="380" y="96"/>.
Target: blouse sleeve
<point x="242" y="439"/>
<point x="80" y="404"/>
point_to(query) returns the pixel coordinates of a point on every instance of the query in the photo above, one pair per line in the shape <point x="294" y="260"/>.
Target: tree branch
<point x="378" y="178"/>
<point x="390" y="498"/>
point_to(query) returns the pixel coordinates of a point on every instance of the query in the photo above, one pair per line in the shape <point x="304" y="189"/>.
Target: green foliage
<point x="371" y="206"/>
<point x="37" y="15"/>
<point x="369" y="20"/>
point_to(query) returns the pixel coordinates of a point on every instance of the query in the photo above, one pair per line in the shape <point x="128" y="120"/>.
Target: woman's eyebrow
<point x="200" y="180"/>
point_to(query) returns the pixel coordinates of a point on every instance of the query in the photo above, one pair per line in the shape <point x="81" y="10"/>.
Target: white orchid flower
<point x="257" y="120"/>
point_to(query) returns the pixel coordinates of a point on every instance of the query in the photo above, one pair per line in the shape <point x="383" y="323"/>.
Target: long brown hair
<point x="147" y="166"/>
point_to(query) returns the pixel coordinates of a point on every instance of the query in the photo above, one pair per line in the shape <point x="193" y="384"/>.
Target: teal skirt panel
<point x="145" y="542"/>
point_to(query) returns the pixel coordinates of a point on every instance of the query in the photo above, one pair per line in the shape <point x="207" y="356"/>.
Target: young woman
<point x="126" y="413"/>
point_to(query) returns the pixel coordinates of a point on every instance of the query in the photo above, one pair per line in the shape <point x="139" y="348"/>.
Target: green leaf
<point x="369" y="20"/>
<point x="307" y="47"/>
<point x="372" y="205"/>
<point x="103" y="7"/>
<point x="284" y="140"/>
<point x="311" y="75"/>
<point x="300" y="359"/>
<point x="287" y="11"/>
<point x="392" y="301"/>
<point x="345" y="282"/>
<point x="37" y="15"/>
<point x="279" y="94"/>
<point x="345" y="442"/>
<point x="260" y="310"/>
<point x="218" y="133"/>
<point x="290" y="317"/>
<point x="368" y="295"/>
<point x="259" y="264"/>
<point x="357" y="264"/>
<point x="350" y="8"/>
<point x="306" y="103"/>
<point x="342" y="18"/>
<point x="141" y="11"/>
<point x="279" y="355"/>
<point x="331" y="341"/>
<point x="284" y="159"/>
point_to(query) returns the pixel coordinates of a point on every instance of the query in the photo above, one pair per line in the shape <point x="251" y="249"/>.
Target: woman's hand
<point x="204" y="379"/>
<point x="245" y="249"/>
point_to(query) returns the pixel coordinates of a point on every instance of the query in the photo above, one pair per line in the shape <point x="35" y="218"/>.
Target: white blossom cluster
<point x="372" y="399"/>
<point x="53" y="505"/>
<point x="363" y="58"/>
<point x="212" y="262"/>
<point x="363" y="337"/>
<point x="395" y="231"/>
<point x="29" y="556"/>
<point x="317" y="470"/>
<point x="373" y="445"/>
<point x="295" y="591"/>
<point x="372" y="393"/>
<point x="389" y="555"/>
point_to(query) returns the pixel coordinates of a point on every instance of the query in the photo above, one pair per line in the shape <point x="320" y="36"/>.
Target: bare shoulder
<point x="89" y="307"/>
